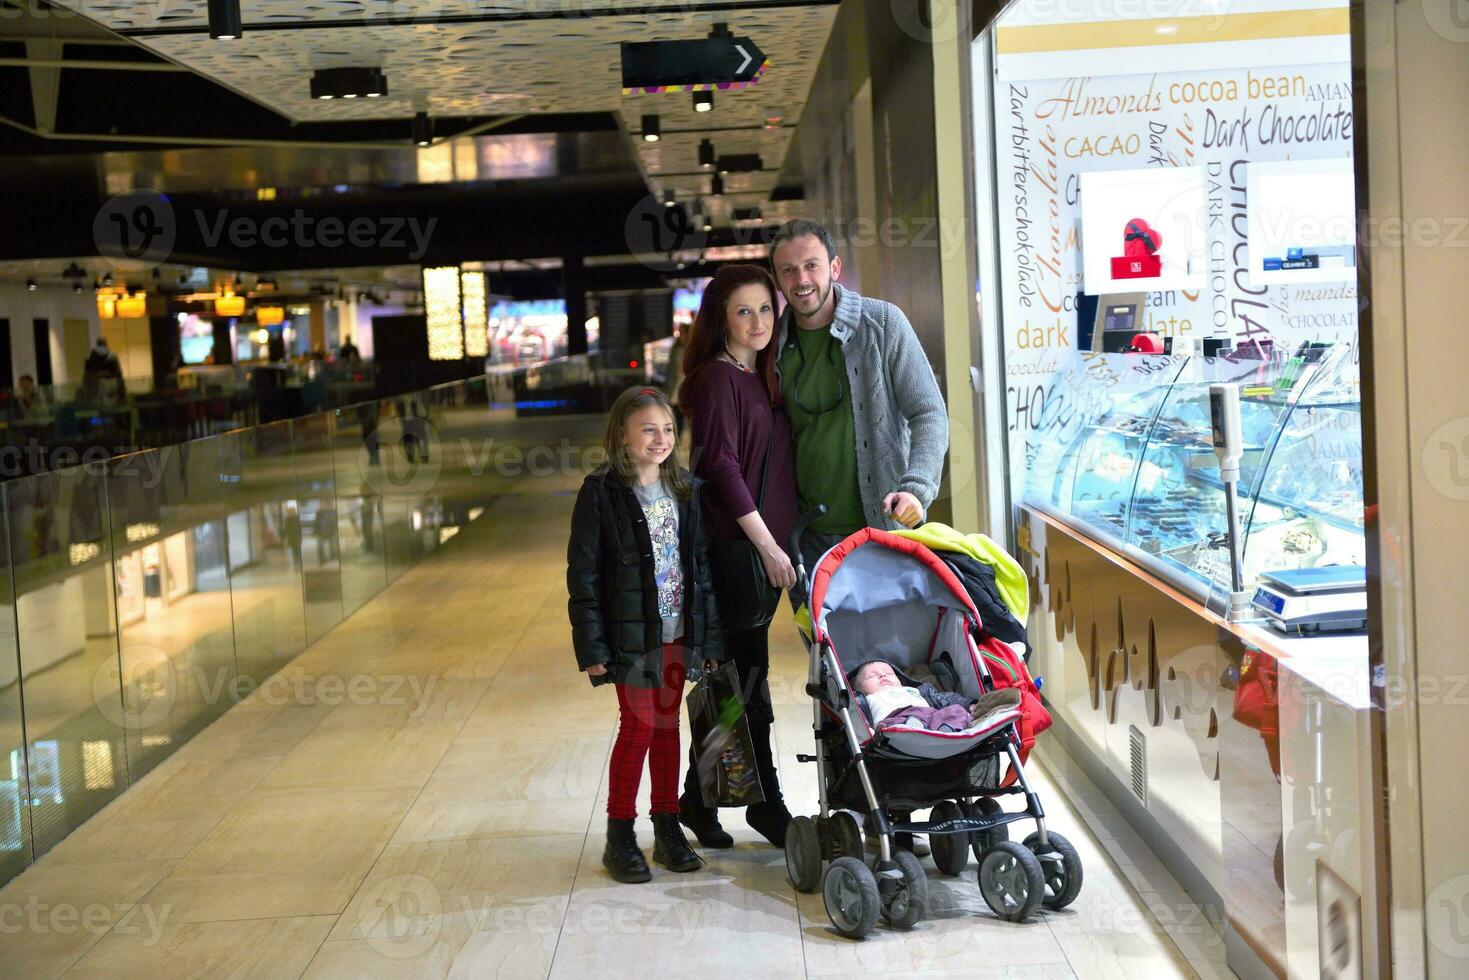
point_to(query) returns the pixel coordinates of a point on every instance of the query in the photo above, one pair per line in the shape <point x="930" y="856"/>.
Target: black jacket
<point x="979" y="582"/>
<point x="610" y="579"/>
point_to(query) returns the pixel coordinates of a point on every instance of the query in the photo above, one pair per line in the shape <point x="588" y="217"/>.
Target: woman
<point x="731" y="396"/>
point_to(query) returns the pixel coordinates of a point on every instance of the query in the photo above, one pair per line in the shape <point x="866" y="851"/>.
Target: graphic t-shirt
<point x="660" y="509"/>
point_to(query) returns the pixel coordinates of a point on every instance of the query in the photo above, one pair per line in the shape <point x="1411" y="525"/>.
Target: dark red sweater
<point x="732" y="419"/>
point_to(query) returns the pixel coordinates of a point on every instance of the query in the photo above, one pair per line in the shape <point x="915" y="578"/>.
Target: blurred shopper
<point x="102" y="382"/>
<point x="742" y="448"/>
<point x="30" y="401"/>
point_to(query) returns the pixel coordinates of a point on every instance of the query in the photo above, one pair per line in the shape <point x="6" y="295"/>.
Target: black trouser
<point x="751" y="652"/>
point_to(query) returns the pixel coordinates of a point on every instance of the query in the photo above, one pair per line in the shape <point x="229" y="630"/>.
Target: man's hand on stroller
<point x="904" y="508"/>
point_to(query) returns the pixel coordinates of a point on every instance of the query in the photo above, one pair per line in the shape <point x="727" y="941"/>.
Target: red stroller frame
<point x="877" y="595"/>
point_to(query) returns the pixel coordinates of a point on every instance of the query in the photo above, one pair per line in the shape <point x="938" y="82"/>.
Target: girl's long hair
<point x="710" y="333"/>
<point x="631" y="401"/>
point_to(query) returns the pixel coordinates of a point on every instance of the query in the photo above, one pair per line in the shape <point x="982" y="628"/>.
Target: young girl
<point x="642" y="609"/>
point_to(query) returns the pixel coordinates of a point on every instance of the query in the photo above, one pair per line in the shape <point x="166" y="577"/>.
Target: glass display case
<point x="1124" y="453"/>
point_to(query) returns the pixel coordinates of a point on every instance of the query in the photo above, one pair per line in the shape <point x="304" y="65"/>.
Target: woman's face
<point x="749" y="315"/>
<point x="649" y="436"/>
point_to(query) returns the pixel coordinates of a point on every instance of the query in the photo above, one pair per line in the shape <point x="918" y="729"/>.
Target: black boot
<point x="670" y="847"/>
<point x="704" y="822"/>
<point x="622" y="856"/>
<point x="769" y="820"/>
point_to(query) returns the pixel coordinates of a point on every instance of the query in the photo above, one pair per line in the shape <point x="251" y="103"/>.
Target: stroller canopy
<point x="878" y="595"/>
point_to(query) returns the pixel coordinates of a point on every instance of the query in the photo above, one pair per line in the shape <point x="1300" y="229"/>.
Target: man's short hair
<point x="800" y="228"/>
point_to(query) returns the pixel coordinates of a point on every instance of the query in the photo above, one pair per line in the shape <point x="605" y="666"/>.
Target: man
<point x="870" y="424"/>
<point x="30" y="401"/>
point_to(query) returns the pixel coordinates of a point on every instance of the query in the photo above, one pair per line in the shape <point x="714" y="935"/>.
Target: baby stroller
<point x="880" y="595"/>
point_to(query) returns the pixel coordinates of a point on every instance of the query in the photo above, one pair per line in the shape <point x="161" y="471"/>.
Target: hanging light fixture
<point x="706" y="154"/>
<point x="445" y="313"/>
<point x="652" y="130"/>
<point x="269" y="316"/>
<point x="669" y="198"/>
<point x="703" y="101"/>
<point x="224" y="20"/>
<point x="348" y="83"/>
<point x="230" y="305"/>
<point x="476" y="314"/>
<point x="423" y="129"/>
<point x="31" y="284"/>
<point x="716" y="185"/>
<point x="133" y="307"/>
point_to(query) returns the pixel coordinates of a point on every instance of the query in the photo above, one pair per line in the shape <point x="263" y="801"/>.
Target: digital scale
<point x="1331" y="598"/>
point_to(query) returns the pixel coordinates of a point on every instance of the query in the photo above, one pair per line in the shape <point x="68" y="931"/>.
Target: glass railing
<point x="146" y="594"/>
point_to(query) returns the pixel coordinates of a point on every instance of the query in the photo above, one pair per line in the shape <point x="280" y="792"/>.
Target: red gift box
<point x="1139" y="267"/>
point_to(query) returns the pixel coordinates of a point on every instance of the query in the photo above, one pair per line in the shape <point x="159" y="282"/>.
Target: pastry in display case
<point x="1125" y="455"/>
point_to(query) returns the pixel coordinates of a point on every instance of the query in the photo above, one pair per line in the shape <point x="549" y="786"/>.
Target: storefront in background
<point x="1172" y="204"/>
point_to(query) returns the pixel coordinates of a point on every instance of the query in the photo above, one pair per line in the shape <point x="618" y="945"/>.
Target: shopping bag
<point x="724" y="754"/>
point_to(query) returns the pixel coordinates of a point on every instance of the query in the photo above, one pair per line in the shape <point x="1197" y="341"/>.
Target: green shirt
<point x="813" y="374"/>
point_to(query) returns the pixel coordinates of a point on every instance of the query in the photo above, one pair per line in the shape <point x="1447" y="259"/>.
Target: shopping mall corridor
<point x="422" y="794"/>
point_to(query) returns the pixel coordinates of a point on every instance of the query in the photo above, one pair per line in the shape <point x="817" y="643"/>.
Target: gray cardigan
<point x="900" y="421"/>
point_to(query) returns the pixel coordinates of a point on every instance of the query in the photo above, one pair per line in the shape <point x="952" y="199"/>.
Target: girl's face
<point x="649" y="436"/>
<point x="749" y="316"/>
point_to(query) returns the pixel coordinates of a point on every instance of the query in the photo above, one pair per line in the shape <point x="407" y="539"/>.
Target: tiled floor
<point x="429" y="802"/>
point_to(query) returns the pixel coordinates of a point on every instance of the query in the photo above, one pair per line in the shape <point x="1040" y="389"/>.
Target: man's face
<point x="805" y="273"/>
<point x="877" y="675"/>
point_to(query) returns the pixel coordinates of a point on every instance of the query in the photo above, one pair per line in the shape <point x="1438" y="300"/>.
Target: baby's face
<point x="876" y="675"/>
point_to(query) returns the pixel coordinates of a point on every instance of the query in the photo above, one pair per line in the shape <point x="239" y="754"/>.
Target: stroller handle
<point x="804" y="521"/>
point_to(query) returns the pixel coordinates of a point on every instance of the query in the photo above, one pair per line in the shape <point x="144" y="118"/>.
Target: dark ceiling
<point x="212" y="151"/>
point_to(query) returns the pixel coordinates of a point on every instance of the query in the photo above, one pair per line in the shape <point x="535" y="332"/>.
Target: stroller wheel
<point x="905" y="899"/>
<point x="850" y="892"/>
<point x="803" y="854"/>
<point x="846" y="836"/>
<point x="1061" y="868"/>
<point x="985" y="807"/>
<point x="1011" y="881"/>
<point x="950" y="851"/>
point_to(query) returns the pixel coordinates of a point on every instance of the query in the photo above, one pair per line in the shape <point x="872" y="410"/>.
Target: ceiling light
<point x="669" y="199"/>
<point x="107" y="279"/>
<point x="348" y="83"/>
<point x="652" y="132"/>
<point x="703" y="101"/>
<point x="224" y="20"/>
<point x="76" y="287"/>
<point x="423" y="129"/>
<point x="74" y="271"/>
<point x="716" y="185"/>
<point x="31" y="284"/>
<point x="706" y="154"/>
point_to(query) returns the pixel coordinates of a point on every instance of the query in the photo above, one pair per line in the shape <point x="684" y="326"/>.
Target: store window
<point x="1169" y="187"/>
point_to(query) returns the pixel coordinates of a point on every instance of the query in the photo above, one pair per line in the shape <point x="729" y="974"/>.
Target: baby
<point x="886" y="700"/>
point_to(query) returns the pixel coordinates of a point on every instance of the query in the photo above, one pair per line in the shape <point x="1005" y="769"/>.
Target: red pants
<point x="647" y="729"/>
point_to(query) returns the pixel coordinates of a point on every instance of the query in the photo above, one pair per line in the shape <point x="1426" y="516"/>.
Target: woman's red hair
<point x="707" y="338"/>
